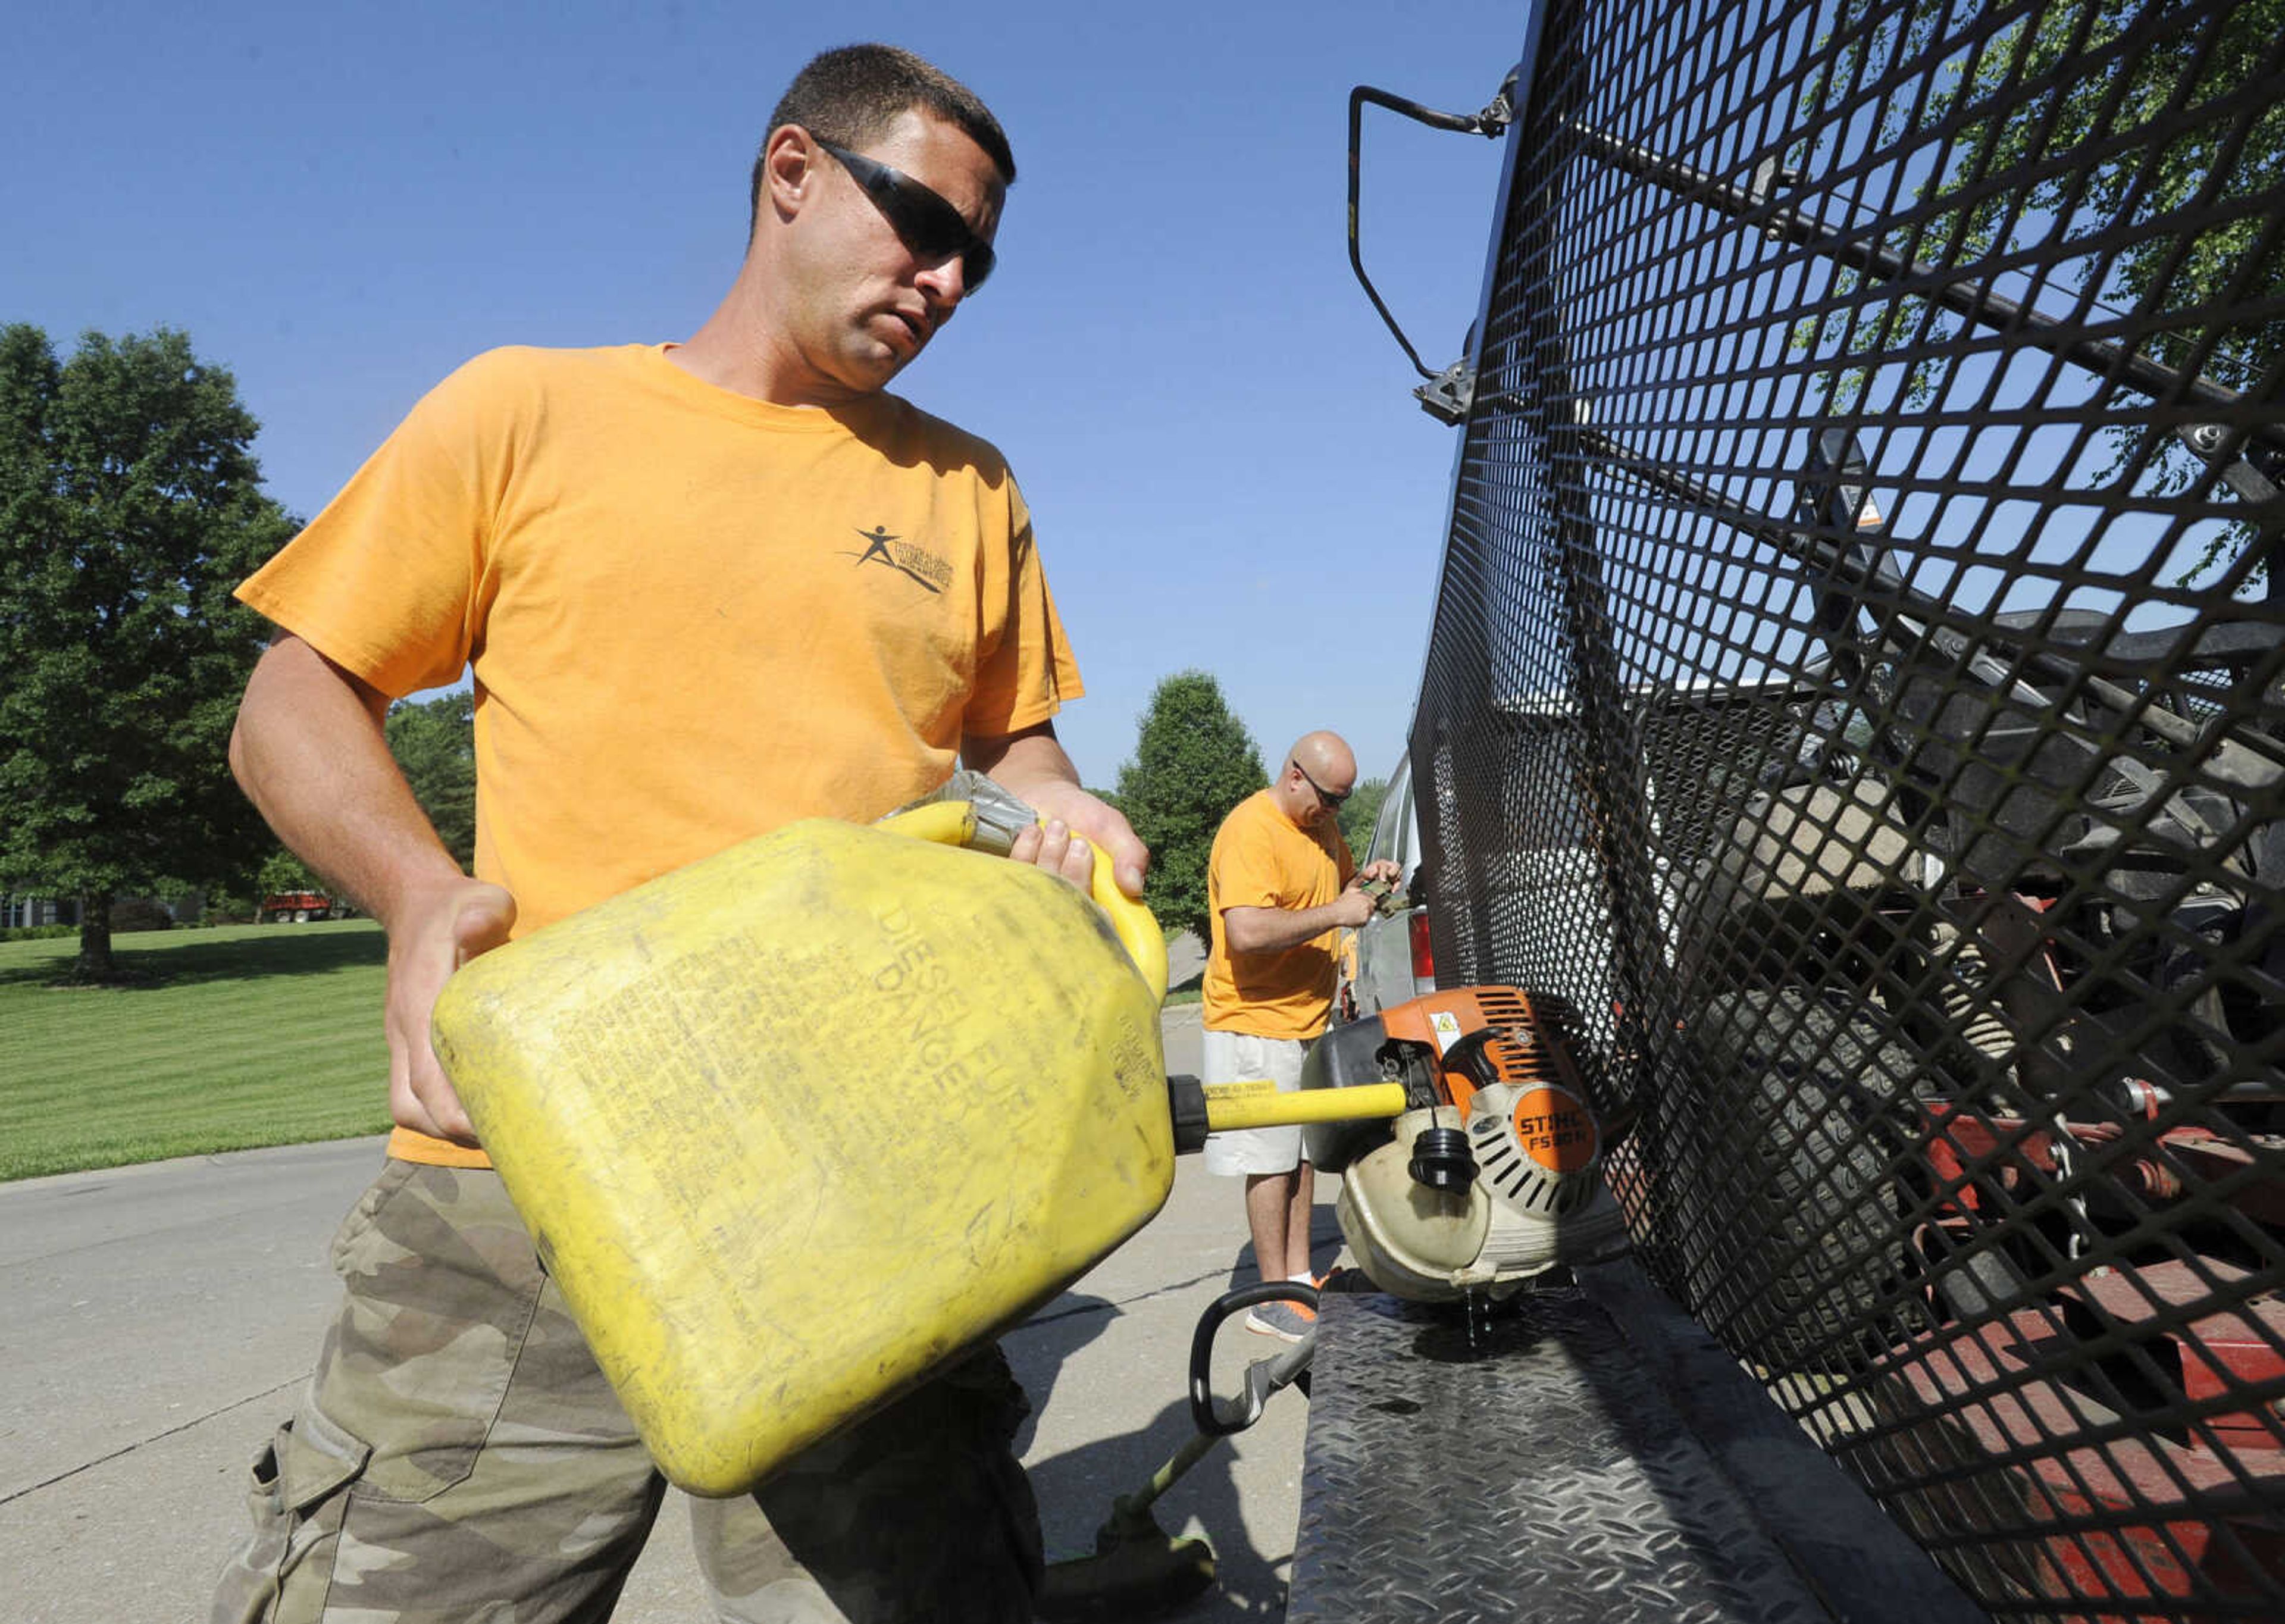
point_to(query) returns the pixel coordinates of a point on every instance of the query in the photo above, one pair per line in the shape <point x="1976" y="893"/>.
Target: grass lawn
<point x="254" y="1035"/>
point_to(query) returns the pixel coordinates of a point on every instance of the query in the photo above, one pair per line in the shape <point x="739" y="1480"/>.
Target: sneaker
<point x="1286" y="1322"/>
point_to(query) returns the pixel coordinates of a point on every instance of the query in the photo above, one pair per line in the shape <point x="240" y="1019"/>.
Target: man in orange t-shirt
<point x="704" y="589"/>
<point x="1280" y="887"/>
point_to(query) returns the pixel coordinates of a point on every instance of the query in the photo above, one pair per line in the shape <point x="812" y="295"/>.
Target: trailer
<point x="299" y="907"/>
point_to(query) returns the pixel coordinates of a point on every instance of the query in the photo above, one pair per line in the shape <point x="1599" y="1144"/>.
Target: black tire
<point x="1790" y="1232"/>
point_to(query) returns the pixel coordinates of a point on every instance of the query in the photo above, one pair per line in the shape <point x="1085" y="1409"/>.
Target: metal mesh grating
<point x="1854" y="692"/>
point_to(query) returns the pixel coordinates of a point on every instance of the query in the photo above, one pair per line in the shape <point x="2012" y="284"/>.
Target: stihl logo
<point x="1555" y="1130"/>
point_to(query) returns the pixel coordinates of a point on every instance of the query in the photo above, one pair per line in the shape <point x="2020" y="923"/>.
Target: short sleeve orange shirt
<point x="1263" y="860"/>
<point x="691" y="616"/>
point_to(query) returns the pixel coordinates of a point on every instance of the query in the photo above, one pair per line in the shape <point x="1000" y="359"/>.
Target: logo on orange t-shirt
<point x="902" y="556"/>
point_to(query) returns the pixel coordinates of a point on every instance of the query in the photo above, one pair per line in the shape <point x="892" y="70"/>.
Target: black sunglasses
<point x="1332" y="802"/>
<point x="926" y="223"/>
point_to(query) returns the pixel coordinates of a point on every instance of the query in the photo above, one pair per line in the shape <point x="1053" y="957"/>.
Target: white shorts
<point x="1236" y="1056"/>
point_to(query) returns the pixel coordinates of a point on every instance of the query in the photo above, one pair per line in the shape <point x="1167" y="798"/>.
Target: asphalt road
<point x="155" y="1322"/>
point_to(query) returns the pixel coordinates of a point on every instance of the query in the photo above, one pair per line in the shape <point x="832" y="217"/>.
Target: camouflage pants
<point x="459" y="1456"/>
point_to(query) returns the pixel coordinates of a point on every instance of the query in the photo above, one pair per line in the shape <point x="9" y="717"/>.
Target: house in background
<point x="127" y="913"/>
<point x="16" y="912"/>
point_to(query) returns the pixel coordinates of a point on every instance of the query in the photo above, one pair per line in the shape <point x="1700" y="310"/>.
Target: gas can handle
<point x="953" y="823"/>
<point x="1136" y="926"/>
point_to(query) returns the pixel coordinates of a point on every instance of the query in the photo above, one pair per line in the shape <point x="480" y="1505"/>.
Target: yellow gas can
<point x="794" y="1124"/>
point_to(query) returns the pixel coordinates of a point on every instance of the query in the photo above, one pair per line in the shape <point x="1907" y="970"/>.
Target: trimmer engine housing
<point x="1492" y="1063"/>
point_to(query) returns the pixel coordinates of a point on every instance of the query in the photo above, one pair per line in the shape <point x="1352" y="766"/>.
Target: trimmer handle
<point x="1218" y="1417"/>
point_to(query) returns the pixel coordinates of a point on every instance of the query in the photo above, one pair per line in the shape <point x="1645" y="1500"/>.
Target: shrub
<point x="139" y="913"/>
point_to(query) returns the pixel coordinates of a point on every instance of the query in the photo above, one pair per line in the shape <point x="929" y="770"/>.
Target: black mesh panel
<point x="1857" y="688"/>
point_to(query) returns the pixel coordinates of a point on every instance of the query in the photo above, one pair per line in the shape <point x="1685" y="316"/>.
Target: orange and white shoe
<point x="1287" y="1321"/>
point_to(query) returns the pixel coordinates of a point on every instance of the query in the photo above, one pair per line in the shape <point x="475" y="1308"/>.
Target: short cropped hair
<point x="852" y="94"/>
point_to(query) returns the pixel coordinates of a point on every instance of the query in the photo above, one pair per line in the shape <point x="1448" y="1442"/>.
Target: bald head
<point x="1319" y="773"/>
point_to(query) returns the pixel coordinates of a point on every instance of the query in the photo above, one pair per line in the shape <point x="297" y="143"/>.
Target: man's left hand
<point x="1069" y="810"/>
<point x="1032" y="766"/>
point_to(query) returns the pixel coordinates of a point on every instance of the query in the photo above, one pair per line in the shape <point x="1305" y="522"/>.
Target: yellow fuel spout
<point x="1260" y="1104"/>
<point x="1199" y="1110"/>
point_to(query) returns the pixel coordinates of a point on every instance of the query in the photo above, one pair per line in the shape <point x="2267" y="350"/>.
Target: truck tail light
<point x="1423" y="961"/>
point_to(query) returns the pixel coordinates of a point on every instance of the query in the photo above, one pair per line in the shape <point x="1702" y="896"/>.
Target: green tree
<point x="282" y="871"/>
<point x="131" y="504"/>
<point x="1361" y="810"/>
<point x="435" y="743"/>
<point x="1193" y="761"/>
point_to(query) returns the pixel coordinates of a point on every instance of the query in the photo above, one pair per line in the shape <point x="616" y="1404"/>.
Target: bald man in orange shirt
<point x="1280" y="886"/>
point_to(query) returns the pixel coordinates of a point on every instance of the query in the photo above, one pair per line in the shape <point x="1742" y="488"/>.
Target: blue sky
<point x="341" y="203"/>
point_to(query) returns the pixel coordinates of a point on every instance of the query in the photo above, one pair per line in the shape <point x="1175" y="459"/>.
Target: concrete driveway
<point x="156" y="1321"/>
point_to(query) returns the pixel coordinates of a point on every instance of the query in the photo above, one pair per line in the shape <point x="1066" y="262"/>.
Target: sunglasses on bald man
<point x="1333" y="803"/>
